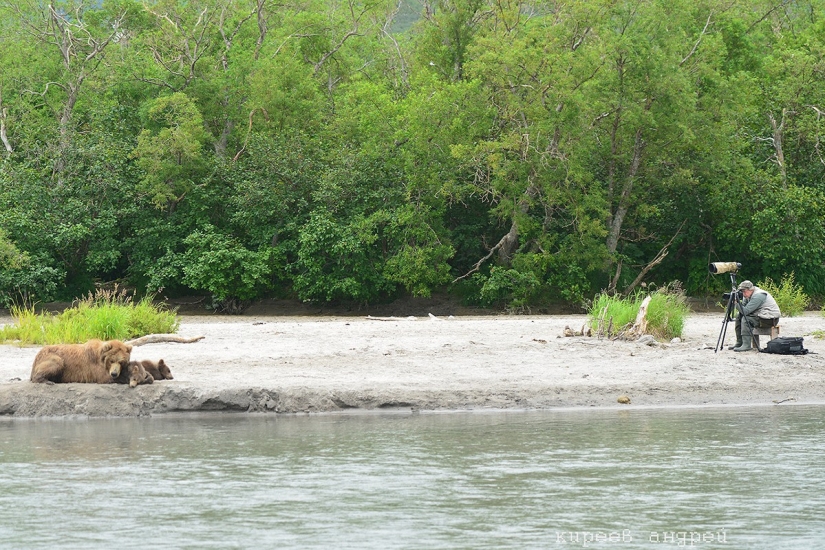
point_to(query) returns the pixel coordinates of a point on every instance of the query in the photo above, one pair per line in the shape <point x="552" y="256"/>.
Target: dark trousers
<point x="745" y="325"/>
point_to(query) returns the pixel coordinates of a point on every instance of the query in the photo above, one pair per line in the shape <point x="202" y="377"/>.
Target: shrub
<point x="221" y="265"/>
<point x="107" y="315"/>
<point x="23" y="277"/>
<point x="614" y="313"/>
<point x="510" y="286"/>
<point x="666" y="312"/>
<point x="790" y="297"/>
<point x="340" y="261"/>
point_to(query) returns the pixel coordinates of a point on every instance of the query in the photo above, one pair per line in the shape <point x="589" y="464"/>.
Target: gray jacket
<point x="761" y="304"/>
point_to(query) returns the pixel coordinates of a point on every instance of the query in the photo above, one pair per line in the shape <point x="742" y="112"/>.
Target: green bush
<point x="666" y="312"/>
<point x="105" y="315"/>
<point x="29" y="283"/>
<point x="613" y="313"/>
<point x="507" y="286"/>
<point x="340" y="260"/>
<point x="232" y="273"/>
<point x="790" y="297"/>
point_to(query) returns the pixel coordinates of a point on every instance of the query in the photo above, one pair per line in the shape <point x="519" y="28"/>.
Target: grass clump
<point x="789" y="296"/>
<point x="666" y="313"/>
<point x="613" y="313"/>
<point x="107" y="315"/>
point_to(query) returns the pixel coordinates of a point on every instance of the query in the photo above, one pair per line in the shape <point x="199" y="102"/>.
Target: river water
<point x="743" y="477"/>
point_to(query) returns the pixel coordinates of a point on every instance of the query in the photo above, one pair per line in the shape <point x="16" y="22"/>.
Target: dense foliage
<point x="516" y="153"/>
<point x="789" y="296"/>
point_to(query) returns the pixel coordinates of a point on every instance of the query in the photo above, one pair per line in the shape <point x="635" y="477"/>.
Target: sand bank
<point x="275" y="364"/>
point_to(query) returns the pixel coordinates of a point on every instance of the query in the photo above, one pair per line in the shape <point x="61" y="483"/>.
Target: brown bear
<point x="158" y="370"/>
<point x="94" y="362"/>
<point x="134" y="374"/>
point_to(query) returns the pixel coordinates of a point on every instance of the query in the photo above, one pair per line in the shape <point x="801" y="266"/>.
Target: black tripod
<point x="734" y="301"/>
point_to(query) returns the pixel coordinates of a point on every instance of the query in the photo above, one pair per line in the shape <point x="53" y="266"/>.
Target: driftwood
<point x="410" y="318"/>
<point x="585" y="331"/>
<point x="639" y="327"/>
<point x="600" y="328"/>
<point x="157" y="338"/>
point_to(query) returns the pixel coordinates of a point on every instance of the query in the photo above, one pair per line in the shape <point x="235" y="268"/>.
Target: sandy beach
<point x="310" y="363"/>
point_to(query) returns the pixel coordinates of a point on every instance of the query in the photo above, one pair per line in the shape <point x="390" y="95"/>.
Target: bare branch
<point x="356" y="22"/>
<point x="779" y="154"/>
<point x="600" y="117"/>
<point x="504" y="240"/>
<point x="767" y="14"/>
<point x="696" y="46"/>
<point x="262" y="27"/>
<point x="654" y="262"/>
<point x="819" y="114"/>
<point x="192" y="46"/>
<point x="353" y="32"/>
<point x="508" y="242"/>
<point x="580" y="40"/>
<point x="161" y="16"/>
<point x="249" y="131"/>
<point x="385" y="31"/>
<point x="46" y="89"/>
<point x="228" y="38"/>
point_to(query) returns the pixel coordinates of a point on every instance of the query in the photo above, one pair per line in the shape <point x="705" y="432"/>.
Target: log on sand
<point x="157" y="338"/>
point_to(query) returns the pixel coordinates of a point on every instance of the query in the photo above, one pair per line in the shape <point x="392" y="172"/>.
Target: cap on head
<point x="745" y="285"/>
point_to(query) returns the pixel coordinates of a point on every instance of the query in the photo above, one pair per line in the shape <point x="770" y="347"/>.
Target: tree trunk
<point x="506" y="247"/>
<point x="623" y="204"/>
<point x="778" y="131"/>
<point x="3" y="114"/>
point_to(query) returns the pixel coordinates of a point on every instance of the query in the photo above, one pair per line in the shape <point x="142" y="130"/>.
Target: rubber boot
<point x="746" y="343"/>
<point x="747" y="337"/>
<point x="736" y="345"/>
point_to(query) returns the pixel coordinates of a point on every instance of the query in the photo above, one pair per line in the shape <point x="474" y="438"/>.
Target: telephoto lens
<point x="724" y="267"/>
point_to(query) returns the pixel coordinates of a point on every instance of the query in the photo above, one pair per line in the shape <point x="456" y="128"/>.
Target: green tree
<point x="169" y="149"/>
<point x="69" y="41"/>
<point x="10" y="256"/>
<point x="221" y="265"/>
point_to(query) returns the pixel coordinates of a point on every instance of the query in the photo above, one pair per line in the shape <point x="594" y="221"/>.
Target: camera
<point x="739" y="296"/>
<point x="724" y="267"/>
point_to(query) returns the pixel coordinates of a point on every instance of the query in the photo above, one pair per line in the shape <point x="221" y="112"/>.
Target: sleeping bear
<point x="95" y="362"/>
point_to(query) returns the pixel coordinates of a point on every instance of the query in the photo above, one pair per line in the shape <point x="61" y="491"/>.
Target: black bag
<point x="785" y="345"/>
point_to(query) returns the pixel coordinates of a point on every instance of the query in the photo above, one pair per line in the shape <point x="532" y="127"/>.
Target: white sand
<point x="261" y="363"/>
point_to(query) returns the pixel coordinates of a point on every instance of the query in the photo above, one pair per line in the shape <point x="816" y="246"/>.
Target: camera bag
<point x="786" y="345"/>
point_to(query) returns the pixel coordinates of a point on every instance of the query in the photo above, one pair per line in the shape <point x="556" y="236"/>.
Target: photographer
<point x="759" y="310"/>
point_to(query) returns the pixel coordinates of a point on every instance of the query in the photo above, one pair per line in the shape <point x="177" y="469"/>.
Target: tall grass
<point x="107" y="315"/>
<point x="789" y="296"/>
<point x="613" y="313"/>
<point x="666" y="313"/>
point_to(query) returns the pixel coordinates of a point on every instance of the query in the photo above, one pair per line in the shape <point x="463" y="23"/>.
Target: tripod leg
<point x="720" y="342"/>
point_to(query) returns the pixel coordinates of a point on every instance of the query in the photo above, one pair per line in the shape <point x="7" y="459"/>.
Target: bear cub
<point x="159" y="370"/>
